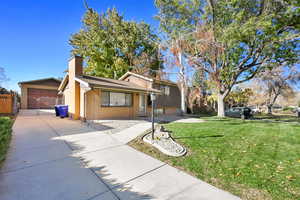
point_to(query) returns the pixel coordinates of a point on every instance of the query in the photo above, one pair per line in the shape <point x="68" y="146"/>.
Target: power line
<point x="86" y="4"/>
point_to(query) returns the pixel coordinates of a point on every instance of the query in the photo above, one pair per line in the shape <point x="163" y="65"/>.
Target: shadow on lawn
<point x="267" y="121"/>
<point x="194" y="137"/>
<point x="278" y="118"/>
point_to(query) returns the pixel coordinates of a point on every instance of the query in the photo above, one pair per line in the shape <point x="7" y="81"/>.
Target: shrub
<point x="287" y="108"/>
<point x="5" y="136"/>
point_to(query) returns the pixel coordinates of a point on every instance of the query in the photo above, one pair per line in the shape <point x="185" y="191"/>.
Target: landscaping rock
<point x="164" y="142"/>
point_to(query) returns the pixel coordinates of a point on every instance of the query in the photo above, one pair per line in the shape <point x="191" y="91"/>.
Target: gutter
<point x="86" y="87"/>
<point x="85" y="84"/>
<point x="126" y="90"/>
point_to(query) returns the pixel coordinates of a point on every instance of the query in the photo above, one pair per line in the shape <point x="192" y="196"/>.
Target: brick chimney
<point x="75" y="70"/>
<point x="75" y="66"/>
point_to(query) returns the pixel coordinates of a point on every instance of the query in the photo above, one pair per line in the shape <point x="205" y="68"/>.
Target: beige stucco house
<point x="90" y="97"/>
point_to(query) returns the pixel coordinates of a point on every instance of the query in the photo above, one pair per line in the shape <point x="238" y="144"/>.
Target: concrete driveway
<point x="52" y="158"/>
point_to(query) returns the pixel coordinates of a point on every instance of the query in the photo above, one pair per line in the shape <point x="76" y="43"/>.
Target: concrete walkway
<point x="52" y="158"/>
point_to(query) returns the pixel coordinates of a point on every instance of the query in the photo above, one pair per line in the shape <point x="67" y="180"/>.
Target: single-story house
<point x="90" y="97"/>
<point x="40" y="94"/>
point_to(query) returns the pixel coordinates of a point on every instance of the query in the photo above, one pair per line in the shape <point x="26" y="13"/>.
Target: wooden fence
<point x="7" y="103"/>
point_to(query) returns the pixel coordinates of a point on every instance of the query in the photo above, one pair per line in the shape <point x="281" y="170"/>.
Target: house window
<point x="165" y="90"/>
<point x="116" y="99"/>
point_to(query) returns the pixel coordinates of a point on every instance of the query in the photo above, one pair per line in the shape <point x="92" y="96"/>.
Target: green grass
<point x="279" y="117"/>
<point x="253" y="159"/>
<point x="5" y="136"/>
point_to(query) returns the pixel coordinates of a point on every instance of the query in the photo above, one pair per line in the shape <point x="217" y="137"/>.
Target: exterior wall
<point x="69" y="100"/>
<point x="169" y="103"/>
<point x="24" y="92"/>
<point x="94" y="110"/>
<point x="67" y="96"/>
<point x="171" y="100"/>
<point x="139" y="81"/>
<point x="166" y="110"/>
<point x="171" y="110"/>
<point x="82" y="104"/>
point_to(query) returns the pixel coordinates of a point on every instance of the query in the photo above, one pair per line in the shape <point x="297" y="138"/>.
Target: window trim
<point x="127" y="106"/>
<point x="165" y="90"/>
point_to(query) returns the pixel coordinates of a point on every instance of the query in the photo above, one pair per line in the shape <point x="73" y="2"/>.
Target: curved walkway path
<point x="52" y="158"/>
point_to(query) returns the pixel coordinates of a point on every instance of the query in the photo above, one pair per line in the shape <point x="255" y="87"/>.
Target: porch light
<point x="153" y="97"/>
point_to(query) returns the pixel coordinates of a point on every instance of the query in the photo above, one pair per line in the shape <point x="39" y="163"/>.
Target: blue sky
<point x="34" y="34"/>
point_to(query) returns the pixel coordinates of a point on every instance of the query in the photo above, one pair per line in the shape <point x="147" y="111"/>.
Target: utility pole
<point x="152" y="117"/>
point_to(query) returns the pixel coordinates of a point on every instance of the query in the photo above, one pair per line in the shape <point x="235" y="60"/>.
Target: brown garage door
<point x="41" y="98"/>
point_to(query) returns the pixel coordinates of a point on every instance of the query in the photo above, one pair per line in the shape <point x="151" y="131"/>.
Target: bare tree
<point x="280" y="81"/>
<point x="177" y="51"/>
<point x="257" y="98"/>
<point x="3" y="77"/>
<point x="175" y="57"/>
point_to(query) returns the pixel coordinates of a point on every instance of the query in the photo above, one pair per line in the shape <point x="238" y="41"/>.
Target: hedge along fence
<point x="5" y="136"/>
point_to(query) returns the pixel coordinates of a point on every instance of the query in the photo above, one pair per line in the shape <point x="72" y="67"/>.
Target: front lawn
<point x="253" y="159"/>
<point x="5" y="136"/>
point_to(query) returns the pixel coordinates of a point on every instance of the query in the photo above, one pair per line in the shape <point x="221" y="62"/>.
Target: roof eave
<point x="63" y="83"/>
<point x="165" y="82"/>
<point x="125" y="89"/>
<point x="82" y="82"/>
<point x="136" y="75"/>
<point x="27" y="82"/>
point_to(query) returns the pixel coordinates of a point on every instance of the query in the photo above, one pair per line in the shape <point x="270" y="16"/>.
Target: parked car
<point x="255" y="110"/>
<point x="239" y="111"/>
<point x="296" y="109"/>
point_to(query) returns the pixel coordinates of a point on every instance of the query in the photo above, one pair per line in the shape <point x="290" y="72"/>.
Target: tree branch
<point x="249" y="77"/>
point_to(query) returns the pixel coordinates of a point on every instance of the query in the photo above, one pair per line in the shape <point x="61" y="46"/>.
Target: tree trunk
<point x="270" y="105"/>
<point x="269" y="109"/>
<point x="183" y="107"/>
<point x="221" y="110"/>
<point x="183" y="97"/>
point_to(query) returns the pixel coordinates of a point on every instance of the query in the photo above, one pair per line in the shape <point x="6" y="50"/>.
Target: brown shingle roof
<point x="40" y="80"/>
<point x="146" y="77"/>
<point x="94" y="81"/>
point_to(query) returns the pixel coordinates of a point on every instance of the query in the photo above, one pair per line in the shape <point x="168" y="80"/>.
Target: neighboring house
<point x="39" y="94"/>
<point x="90" y="97"/>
